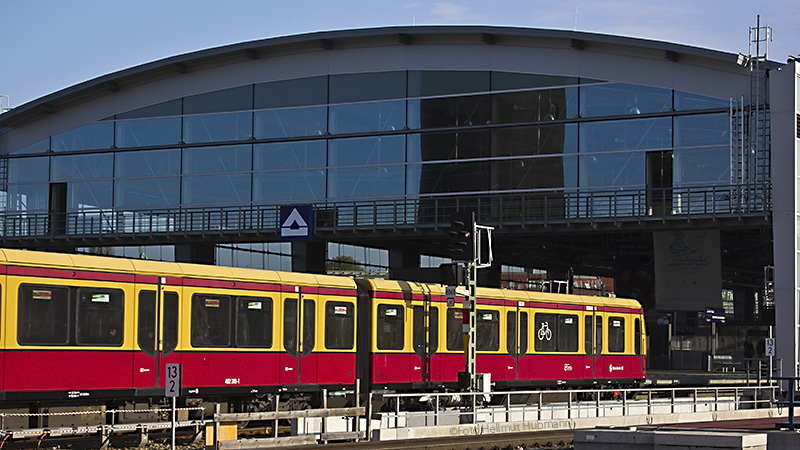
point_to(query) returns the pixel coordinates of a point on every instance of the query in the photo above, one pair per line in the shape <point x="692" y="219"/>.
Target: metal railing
<point x="516" y="209"/>
<point x="438" y="409"/>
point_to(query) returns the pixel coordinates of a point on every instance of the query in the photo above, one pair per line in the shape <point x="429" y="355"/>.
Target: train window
<point x="616" y="334"/>
<point x="567" y="333"/>
<point x="211" y="318"/>
<point x="511" y="333"/>
<point x="455" y="320"/>
<point x="587" y="335"/>
<point x="290" y="326"/>
<point x="253" y="322"/>
<point x="523" y="333"/>
<point x="390" y="327"/>
<point x="511" y="337"/>
<point x="170" y="323"/>
<point x="146" y="325"/>
<point x="290" y="331"/>
<point x="42" y="317"/>
<point x="598" y="335"/>
<point x="637" y="331"/>
<point x="545" y="328"/>
<point x="340" y="325"/>
<point x="488" y="331"/>
<point x="309" y="322"/>
<point x="100" y="317"/>
<point x="420" y="333"/>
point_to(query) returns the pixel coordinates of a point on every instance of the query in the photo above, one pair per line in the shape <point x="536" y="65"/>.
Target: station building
<point x="607" y="165"/>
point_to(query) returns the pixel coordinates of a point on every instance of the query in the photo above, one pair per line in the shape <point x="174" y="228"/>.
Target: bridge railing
<point x="516" y="209"/>
<point x="445" y="409"/>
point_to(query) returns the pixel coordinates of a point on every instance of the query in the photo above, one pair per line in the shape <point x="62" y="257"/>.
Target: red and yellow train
<point x="83" y="328"/>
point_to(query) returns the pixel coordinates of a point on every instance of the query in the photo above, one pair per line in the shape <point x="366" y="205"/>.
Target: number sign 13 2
<point x="173" y="380"/>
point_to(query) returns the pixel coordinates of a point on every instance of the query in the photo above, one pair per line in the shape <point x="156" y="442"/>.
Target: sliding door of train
<point x="157" y="332"/>
<point x="517" y="342"/>
<point x="426" y="340"/>
<point x="593" y="343"/>
<point x="299" y="332"/>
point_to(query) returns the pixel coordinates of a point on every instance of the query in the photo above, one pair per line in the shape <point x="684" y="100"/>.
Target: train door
<point x="593" y="344"/>
<point x="157" y="334"/>
<point x="517" y="342"/>
<point x="426" y="339"/>
<point x="299" y="332"/>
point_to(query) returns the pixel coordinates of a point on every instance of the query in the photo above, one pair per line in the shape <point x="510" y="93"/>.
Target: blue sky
<point x="48" y="45"/>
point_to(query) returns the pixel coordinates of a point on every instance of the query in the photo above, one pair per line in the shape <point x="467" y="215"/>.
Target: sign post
<point x="172" y="388"/>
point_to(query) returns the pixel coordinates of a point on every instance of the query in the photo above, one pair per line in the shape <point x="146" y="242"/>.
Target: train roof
<point x="505" y="294"/>
<point x="96" y="263"/>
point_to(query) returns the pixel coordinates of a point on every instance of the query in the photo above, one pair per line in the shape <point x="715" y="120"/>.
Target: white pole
<point x="173" y="423"/>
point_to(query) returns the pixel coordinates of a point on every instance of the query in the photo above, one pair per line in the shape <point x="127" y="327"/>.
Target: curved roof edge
<point x="325" y="39"/>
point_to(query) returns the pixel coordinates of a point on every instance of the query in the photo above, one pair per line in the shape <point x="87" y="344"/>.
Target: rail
<point x="548" y="207"/>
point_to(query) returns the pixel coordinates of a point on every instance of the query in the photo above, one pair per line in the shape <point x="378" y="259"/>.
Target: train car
<point x="524" y="339"/>
<point x="80" y="328"/>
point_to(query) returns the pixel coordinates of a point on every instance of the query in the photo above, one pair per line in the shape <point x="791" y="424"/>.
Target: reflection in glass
<point x="289" y="185"/>
<point x="449" y="177"/>
<point x="229" y="158"/>
<point x="288" y="93"/>
<point x="359" y="87"/>
<point x="82" y="167"/>
<point x="292" y="122"/>
<point x="289" y="155"/>
<point x="504" y="81"/>
<point x="702" y="165"/>
<point x="94" y="136"/>
<point x="215" y="189"/>
<point x="28" y="169"/>
<point x="446" y="82"/>
<point x="234" y="99"/>
<point x="685" y="101"/>
<point x="147" y="192"/>
<point x="535" y="106"/>
<point x="218" y="127"/>
<point x="541" y="140"/>
<point x="89" y="195"/>
<point x="148" y="163"/>
<point x="42" y="146"/>
<point x="366" y="151"/>
<point x="27" y="197"/>
<point x="381" y="175"/>
<point x="622" y="100"/>
<point x="274" y="185"/>
<point x="366" y="117"/>
<point x="147" y="132"/>
<point x="168" y="108"/>
<point x="612" y="170"/>
<point x="638" y="134"/>
<point x="705" y="129"/>
<point x="449" y="112"/>
<point x="449" y="146"/>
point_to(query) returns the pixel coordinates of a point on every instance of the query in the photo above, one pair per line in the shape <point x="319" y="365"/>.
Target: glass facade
<point x="384" y="136"/>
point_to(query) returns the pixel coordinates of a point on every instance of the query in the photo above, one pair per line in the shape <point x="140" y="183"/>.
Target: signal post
<point x="468" y="238"/>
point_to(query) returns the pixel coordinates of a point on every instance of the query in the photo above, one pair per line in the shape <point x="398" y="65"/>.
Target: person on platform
<point x="749" y="353"/>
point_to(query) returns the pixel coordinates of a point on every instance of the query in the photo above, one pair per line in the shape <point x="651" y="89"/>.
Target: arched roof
<point x="330" y="40"/>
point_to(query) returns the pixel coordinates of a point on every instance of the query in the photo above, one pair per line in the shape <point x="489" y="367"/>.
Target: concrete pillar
<point x="309" y="256"/>
<point x="784" y="84"/>
<point x="199" y="253"/>
<point x="743" y="303"/>
<point x="404" y="265"/>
